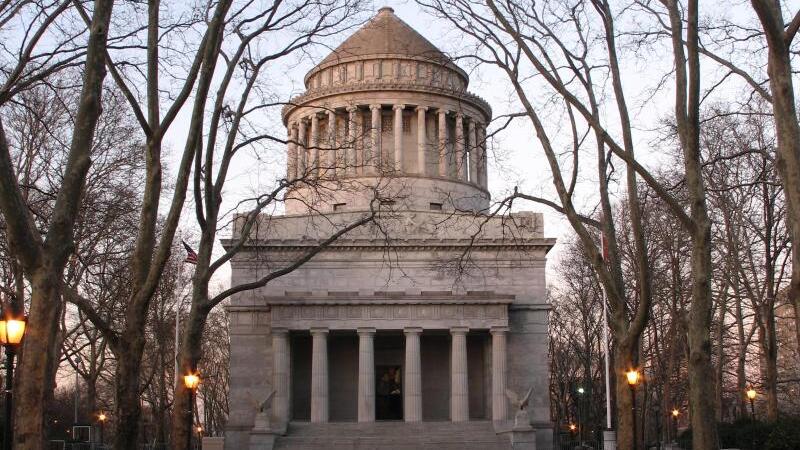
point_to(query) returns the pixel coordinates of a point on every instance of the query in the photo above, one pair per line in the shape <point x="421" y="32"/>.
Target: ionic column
<point x="301" y="149"/>
<point x="412" y="392"/>
<point x="472" y="140"/>
<point x="398" y="137"/>
<point x="280" y="374"/>
<point x="366" y="374"/>
<point x="499" y="370"/>
<point x="461" y="170"/>
<point x="350" y="159"/>
<point x="319" y="375"/>
<point x="314" y="145"/>
<point x="442" y="143"/>
<point x="374" y="157"/>
<point x="459" y="393"/>
<point x="291" y="153"/>
<point x="330" y="162"/>
<point x="422" y="140"/>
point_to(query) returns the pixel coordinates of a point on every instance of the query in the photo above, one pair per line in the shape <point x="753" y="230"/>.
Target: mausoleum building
<point x="409" y="331"/>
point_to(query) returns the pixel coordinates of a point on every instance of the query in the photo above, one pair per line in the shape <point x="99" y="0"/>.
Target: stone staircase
<point x="474" y="435"/>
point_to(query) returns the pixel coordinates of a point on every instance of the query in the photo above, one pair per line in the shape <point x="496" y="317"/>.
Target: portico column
<point x="459" y="393"/>
<point x="330" y="164"/>
<point x="301" y="148"/>
<point x="319" y="375"/>
<point x="398" y="137"/>
<point x="442" y="143"/>
<point x="461" y="168"/>
<point x="350" y="159"/>
<point x="472" y="145"/>
<point x="280" y="373"/>
<point x="314" y="145"/>
<point x="412" y="391"/>
<point x="366" y="374"/>
<point x="422" y="140"/>
<point x="374" y="158"/>
<point x="499" y="370"/>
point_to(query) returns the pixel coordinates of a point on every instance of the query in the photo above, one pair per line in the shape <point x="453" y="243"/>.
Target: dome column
<point x="442" y="143"/>
<point x="314" y="145"/>
<point x="373" y="157"/>
<point x="350" y="156"/>
<point x="472" y="146"/>
<point x="330" y="163"/>
<point x="301" y="148"/>
<point x="398" y="137"/>
<point x="422" y="140"/>
<point x="483" y="162"/>
<point x="458" y="148"/>
<point x="291" y="153"/>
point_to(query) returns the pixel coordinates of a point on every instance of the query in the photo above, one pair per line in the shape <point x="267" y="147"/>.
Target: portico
<point x="357" y="323"/>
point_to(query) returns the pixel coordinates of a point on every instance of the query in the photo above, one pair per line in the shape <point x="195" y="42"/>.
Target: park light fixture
<point x="633" y="376"/>
<point x="12" y="330"/>
<point x="676" y="413"/>
<point x="581" y="390"/>
<point x="191" y="380"/>
<point x="102" y="417"/>
<point x="751" y="395"/>
<point x="573" y="427"/>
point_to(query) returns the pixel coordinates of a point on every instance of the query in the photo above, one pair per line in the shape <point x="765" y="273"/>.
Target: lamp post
<point x="11" y="332"/>
<point x="199" y="436"/>
<point x="102" y="419"/>
<point x="751" y="395"/>
<point x="675" y="414"/>
<point x="633" y="379"/>
<point x="581" y="418"/>
<point x="191" y="381"/>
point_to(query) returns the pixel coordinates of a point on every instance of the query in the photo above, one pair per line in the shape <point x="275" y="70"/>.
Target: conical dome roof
<point x="386" y="35"/>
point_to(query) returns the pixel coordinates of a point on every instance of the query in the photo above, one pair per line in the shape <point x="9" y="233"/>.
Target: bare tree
<point x="43" y="255"/>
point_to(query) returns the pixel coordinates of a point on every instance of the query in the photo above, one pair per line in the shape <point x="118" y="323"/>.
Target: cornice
<point x="317" y="94"/>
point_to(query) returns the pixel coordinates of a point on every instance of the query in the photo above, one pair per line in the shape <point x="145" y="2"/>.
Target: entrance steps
<point x="473" y="435"/>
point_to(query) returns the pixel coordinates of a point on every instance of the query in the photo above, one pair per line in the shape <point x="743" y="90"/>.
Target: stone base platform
<point x="474" y="435"/>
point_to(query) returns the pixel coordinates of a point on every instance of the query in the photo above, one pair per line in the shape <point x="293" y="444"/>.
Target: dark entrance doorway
<point x="388" y="393"/>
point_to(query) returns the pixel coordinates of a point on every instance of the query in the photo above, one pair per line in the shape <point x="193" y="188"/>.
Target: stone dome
<point x="386" y="109"/>
<point x="384" y="36"/>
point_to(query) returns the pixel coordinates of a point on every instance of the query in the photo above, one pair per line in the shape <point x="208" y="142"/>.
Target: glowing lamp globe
<point x="191" y="381"/>
<point x="11" y="331"/>
<point x="751" y="394"/>
<point x="675" y="413"/>
<point x="632" y="377"/>
<point x="102" y="417"/>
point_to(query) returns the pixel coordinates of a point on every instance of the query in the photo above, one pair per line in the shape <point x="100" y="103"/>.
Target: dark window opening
<point x="436" y="206"/>
<point x="339" y="206"/>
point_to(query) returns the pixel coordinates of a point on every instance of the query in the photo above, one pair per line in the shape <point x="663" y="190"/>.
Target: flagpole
<point x="609" y="436"/>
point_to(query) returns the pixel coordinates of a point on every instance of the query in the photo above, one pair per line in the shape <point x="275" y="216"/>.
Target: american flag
<point x="191" y="256"/>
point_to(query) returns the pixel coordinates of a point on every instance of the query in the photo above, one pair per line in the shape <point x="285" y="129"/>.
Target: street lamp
<point x="675" y="414"/>
<point x="633" y="379"/>
<point x="751" y="394"/>
<point x="191" y="381"/>
<point x="102" y="419"/>
<point x="11" y="332"/>
<point x="199" y="436"/>
<point x="581" y="391"/>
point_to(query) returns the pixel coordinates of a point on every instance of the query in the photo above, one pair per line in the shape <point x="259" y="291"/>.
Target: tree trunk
<point x="623" y="362"/>
<point x="33" y="381"/>
<point x="128" y="408"/>
<point x="189" y="357"/>
<point x="779" y="69"/>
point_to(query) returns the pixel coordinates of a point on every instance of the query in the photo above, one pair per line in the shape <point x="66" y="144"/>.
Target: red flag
<point x="191" y="256"/>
